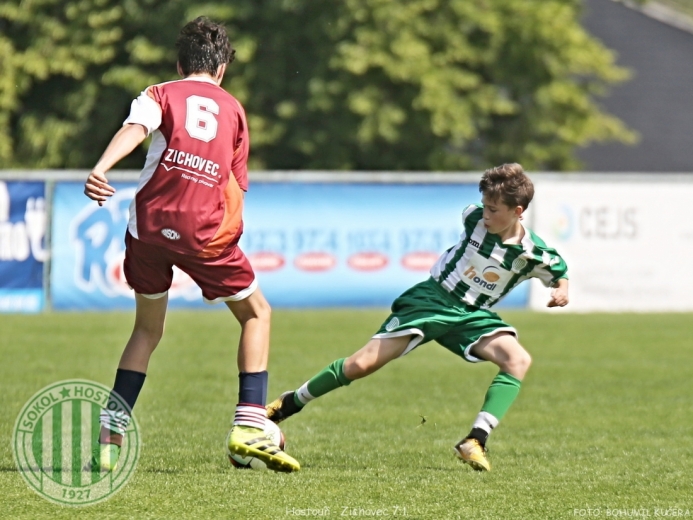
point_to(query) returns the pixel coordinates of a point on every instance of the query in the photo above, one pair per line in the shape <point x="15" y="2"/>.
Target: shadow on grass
<point x="160" y="470"/>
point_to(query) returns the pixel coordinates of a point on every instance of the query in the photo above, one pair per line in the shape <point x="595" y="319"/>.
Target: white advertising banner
<point x="628" y="245"/>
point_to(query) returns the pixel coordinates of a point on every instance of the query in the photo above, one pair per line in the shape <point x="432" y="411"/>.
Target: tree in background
<point x="349" y="85"/>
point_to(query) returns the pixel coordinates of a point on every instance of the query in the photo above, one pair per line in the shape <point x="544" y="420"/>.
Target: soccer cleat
<point x="104" y="458"/>
<point x="282" y="407"/>
<point x="252" y="442"/>
<point x="470" y="451"/>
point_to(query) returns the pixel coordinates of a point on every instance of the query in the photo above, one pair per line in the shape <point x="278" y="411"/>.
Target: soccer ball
<point x="274" y="433"/>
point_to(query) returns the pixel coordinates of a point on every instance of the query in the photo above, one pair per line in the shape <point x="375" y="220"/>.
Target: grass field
<point x="603" y="426"/>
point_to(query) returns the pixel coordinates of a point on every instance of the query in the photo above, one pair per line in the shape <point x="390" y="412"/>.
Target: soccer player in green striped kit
<point x="496" y="252"/>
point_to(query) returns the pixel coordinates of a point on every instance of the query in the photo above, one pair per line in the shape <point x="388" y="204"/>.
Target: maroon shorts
<point x="149" y="271"/>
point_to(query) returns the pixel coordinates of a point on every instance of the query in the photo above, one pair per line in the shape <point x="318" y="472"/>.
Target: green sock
<point x="501" y="394"/>
<point x="329" y="378"/>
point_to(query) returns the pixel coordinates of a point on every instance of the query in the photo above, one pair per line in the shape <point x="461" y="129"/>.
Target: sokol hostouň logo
<point x="53" y="439"/>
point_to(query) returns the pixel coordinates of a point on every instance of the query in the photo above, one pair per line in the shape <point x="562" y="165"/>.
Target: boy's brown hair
<point x="203" y="45"/>
<point x="509" y="184"/>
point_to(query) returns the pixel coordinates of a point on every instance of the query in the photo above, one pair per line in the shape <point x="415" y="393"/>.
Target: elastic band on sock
<point x="115" y="421"/>
<point x="250" y="415"/>
<point x="485" y="421"/>
<point x="302" y="396"/>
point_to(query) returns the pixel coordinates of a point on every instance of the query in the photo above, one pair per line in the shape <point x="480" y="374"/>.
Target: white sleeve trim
<point x="146" y="112"/>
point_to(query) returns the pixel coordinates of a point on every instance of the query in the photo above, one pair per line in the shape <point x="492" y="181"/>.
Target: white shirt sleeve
<point x="146" y="112"/>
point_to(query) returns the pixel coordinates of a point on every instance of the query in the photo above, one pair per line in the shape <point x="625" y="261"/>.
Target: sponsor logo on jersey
<point x="266" y="261"/>
<point x="171" y="234"/>
<point x="315" y="261"/>
<point x="485" y="280"/>
<point x="419" y="260"/>
<point x="392" y="324"/>
<point x="179" y="157"/>
<point x="485" y="275"/>
<point x="474" y="243"/>
<point x="367" y="261"/>
<point x="490" y="274"/>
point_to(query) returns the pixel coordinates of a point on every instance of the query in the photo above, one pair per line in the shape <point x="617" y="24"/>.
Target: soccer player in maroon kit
<point x="187" y="212"/>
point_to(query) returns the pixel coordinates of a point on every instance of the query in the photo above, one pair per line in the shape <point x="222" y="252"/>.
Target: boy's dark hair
<point x="509" y="184"/>
<point x="202" y="46"/>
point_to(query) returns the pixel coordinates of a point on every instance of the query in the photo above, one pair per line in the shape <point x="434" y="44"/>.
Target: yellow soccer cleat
<point x="282" y="407"/>
<point x="253" y="442"/>
<point x="104" y="458"/>
<point x="470" y="451"/>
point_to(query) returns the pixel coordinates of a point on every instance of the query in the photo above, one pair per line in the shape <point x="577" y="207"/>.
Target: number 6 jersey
<point x="190" y="193"/>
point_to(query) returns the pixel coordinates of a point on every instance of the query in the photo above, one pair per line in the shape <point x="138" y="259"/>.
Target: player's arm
<point x="559" y="293"/>
<point x="123" y="143"/>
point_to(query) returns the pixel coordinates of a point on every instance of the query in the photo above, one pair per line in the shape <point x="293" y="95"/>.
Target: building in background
<point x="657" y="101"/>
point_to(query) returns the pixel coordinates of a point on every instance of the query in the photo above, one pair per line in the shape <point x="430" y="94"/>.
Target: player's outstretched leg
<point x="249" y="440"/>
<point x="341" y="372"/>
<point x="289" y="403"/>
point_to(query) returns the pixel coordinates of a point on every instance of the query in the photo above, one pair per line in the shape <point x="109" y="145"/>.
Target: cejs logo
<point x="563" y="224"/>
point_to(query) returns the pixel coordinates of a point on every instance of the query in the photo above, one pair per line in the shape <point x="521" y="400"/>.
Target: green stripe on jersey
<point x="483" y="269"/>
<point x="470" y="222"/>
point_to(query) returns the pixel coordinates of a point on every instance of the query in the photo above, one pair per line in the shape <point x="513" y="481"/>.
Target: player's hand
<point x="559" y="298"/>
<point x="97" y="187"/>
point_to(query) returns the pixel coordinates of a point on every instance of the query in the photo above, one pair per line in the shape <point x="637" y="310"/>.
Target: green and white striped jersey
<point x="480" y="269"/>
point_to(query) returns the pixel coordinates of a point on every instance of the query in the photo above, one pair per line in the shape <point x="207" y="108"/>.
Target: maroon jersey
<point x="190" y="193"/>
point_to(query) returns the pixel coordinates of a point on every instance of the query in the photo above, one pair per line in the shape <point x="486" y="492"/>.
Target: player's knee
<point x="356" y="367"/>
<point x="263" y="311"/>
<point x="255" y="308"/>
<point x="518" y="362"/>
<point x="150" y="334"/>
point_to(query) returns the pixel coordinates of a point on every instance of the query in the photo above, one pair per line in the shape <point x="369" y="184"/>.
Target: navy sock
<point x="252" y="388"/>
<point x="127" y="385"/>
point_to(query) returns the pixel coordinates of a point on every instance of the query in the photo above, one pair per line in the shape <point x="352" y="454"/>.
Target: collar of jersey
<point x="526" y="242"/>
<point x="200" y="78"/>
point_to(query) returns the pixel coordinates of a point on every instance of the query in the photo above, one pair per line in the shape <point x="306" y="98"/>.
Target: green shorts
<point x="429" y="313"/>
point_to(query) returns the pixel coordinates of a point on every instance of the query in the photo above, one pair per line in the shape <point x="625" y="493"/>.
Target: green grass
<point x="603" y="420"/>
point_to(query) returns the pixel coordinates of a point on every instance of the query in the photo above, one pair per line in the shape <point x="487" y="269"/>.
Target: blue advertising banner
<point x="88" y="253"/>
<point x="311" y="245"/>
<point x="22" y="246"/>
<point x="348" y="245"/>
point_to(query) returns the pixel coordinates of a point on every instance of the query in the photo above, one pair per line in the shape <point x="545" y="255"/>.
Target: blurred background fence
<point x="357" y="239"/>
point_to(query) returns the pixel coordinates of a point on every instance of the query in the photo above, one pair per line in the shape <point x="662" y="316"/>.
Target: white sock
<point x="304" y="395"/>
<point x="252" y="415"/>
<point x="115" y="420"/>
<point x="485" y="421"/>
